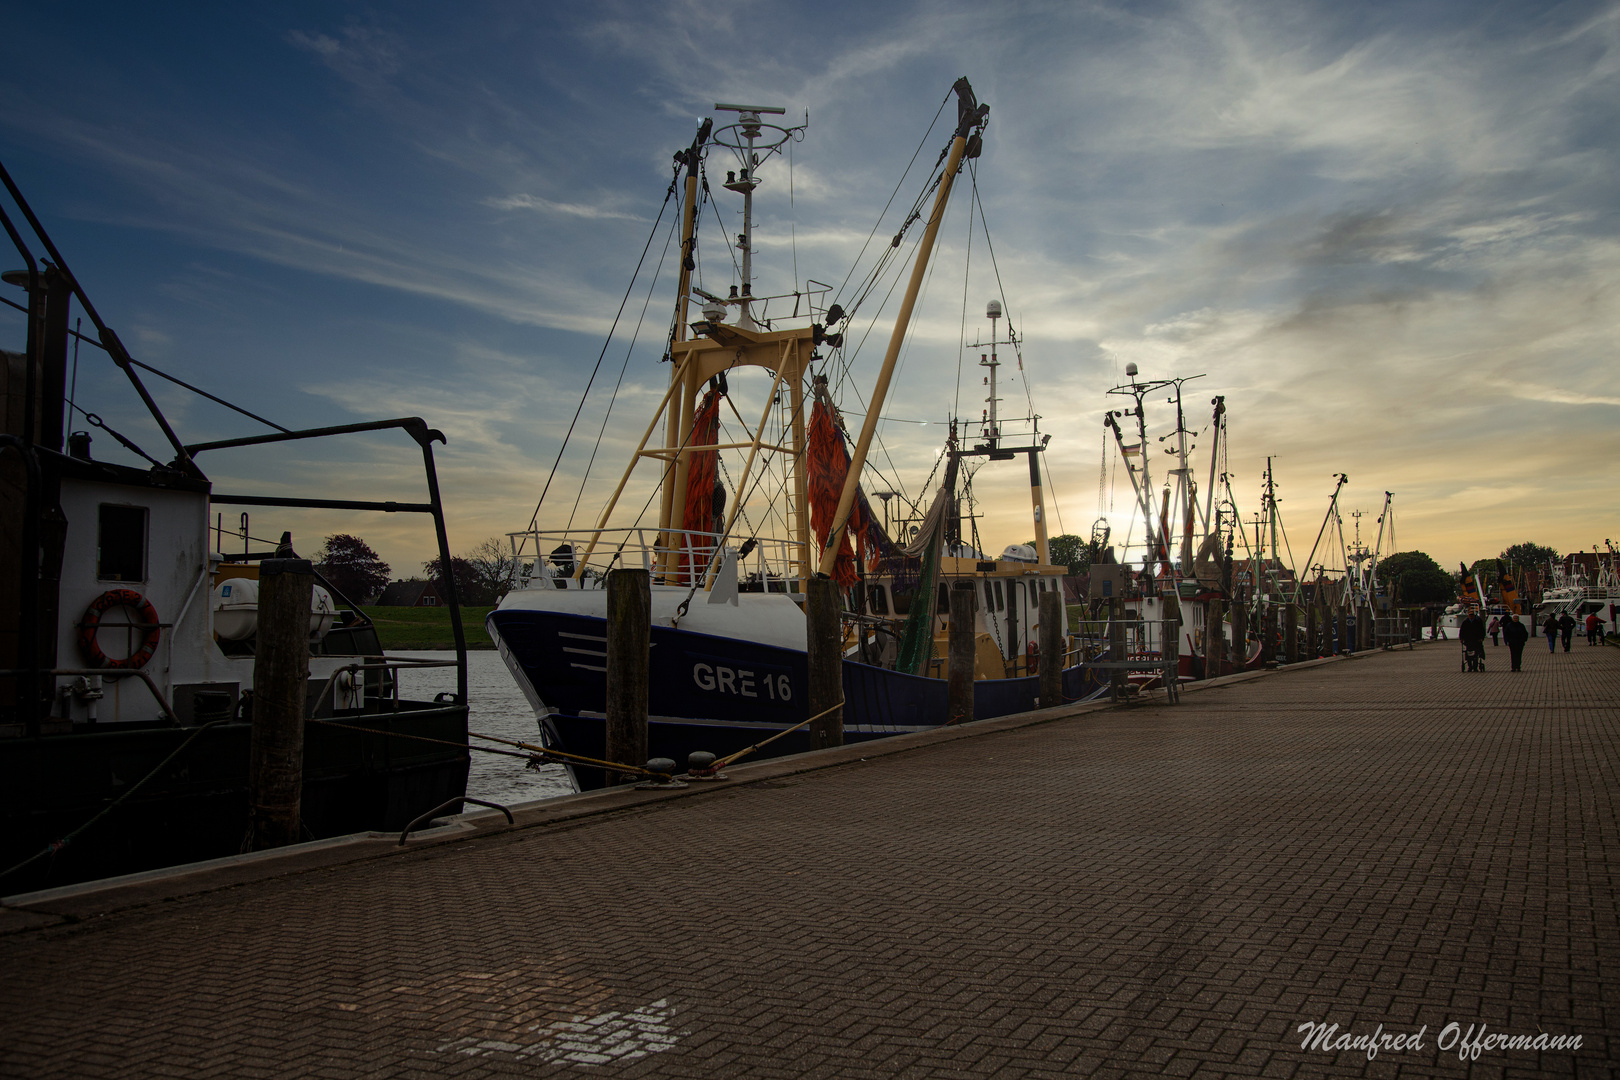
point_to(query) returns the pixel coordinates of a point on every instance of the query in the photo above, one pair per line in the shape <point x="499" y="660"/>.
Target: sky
<point x="1385" y="233"/>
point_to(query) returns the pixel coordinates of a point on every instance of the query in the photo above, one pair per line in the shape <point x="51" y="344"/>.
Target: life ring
<point x="91" y="622"/>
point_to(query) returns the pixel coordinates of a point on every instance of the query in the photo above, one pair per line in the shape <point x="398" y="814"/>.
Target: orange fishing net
<point x="701" y="469"/>
<point x="828" y="469"/>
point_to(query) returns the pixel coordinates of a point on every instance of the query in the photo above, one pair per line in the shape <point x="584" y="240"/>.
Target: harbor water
<point x="497" y="707"/>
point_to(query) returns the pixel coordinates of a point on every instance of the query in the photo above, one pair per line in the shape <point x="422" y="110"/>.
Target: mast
<point x="971" y="116"/>
<point x="673" y="433"/>
<point x="744" y="180"/>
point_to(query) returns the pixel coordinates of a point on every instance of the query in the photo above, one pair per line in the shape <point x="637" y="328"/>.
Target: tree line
<point x="482" y="575"/>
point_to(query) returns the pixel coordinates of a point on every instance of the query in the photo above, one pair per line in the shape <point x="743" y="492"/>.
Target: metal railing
<point x="581" y="558"/>
<point x="1145" y="647"/>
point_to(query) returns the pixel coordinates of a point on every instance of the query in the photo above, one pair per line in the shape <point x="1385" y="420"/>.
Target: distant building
<point x="410" y="594"/>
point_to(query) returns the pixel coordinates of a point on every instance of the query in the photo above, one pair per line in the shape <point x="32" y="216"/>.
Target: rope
<point x="731" y="759"/>
<point x="52" y="848"/>
<point x="491" y="750"/>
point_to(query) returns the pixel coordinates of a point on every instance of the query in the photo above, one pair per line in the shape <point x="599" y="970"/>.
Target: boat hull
<point x="720" y="694"/>
<point x="196" y="807"/>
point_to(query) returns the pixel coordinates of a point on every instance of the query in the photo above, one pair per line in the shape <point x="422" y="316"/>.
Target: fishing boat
<point x="127" y="658"/>
<point x="728" y="664"/>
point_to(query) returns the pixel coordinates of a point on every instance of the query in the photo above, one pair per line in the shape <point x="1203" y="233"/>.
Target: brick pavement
<point x="1145" y="891"/>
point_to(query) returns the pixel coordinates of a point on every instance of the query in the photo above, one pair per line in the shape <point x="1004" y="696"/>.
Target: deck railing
<point x="581" y="558"/>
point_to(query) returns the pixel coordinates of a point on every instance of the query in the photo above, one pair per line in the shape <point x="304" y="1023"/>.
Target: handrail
<point x="441" y="808"/>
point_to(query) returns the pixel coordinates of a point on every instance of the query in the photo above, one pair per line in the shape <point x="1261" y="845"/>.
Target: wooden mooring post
<point x="280" y="698"/>
<point x="824" y="646"/>
<point x="1240" y="634"/>
<point x="1052" y="643"/>
<point x="1116" y="648"/>
<point x="959" y="681"/>
<point x="1214" y="638"/>
<point x="629" y="633"/>
<point x="1291" y="634"/>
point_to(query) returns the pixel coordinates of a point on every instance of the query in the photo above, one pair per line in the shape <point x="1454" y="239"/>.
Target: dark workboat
<point x="127" y="644"/>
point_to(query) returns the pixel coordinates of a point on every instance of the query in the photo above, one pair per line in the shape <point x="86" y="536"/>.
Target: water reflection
<point x="498" y="707"/>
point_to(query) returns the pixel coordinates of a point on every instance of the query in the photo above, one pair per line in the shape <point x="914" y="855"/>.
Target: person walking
<point x="1494" y="629"/>
<point x="1472" y="633"/>
<point x="1550" y="628"/>
<point x="1566" y="628"/>
<point x="1594" y="629"/>
<point x="1515" y="633"/>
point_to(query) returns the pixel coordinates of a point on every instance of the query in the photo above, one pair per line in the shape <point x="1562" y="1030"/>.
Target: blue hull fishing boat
<point x="728" y="664"/>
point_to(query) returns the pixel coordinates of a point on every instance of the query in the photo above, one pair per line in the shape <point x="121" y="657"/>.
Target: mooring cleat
<point x="665" y="768"/>
<point x="700" y="766"/>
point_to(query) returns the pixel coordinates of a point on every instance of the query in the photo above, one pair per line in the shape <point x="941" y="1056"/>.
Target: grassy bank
<point x="428" y="627"/>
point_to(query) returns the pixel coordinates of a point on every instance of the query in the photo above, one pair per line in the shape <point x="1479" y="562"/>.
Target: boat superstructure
<point x="128" y="646"/>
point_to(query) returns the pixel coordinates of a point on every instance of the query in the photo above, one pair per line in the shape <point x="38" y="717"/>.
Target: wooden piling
<point x="1291" y="634"/>
<point x="1240" y="635"/>
<point x="280" y="696"/>
<point x="1052" y="645"/>
<point x="959" y="682"/>
<point x="824" y="648"/>
<point x="1116" y="648"/>
<point x="1214" y="638"/>
<point x="629" y="632"/>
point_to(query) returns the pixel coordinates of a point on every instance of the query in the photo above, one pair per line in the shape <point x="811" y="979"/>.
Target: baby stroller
<point x="1473" y="656"/>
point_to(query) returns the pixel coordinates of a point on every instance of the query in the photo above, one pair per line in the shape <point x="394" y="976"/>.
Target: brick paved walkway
<point x="1146" y="891"/>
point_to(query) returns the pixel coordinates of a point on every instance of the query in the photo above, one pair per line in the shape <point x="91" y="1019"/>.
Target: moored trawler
<point x="128" y="653"/>
<point x="728" y="660"/>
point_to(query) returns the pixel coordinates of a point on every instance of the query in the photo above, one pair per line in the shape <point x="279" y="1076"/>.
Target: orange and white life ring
<point x="91" y="622"/>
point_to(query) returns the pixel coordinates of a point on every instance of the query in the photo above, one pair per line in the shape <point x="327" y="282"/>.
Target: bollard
<point x="959" y="680"/>
<point x="280" y="696"/>
<point x="1052" y="641"/>
<point x="825" y="653"/>
<point x="1290" y="634"/>
<point x="1240" y="636"/>
<point x="629" y="630"/>
<point x="1214" y="639"/>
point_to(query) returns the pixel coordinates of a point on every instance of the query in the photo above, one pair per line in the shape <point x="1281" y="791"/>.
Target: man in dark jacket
<point x="1566" y="628"/>
<point x="1472" y="632"/>
<point x="1550" y="628"/>
<point x="1515" y="633"/>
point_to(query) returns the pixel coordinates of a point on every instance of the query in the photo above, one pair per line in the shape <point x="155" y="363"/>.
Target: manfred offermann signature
<point x="1468" y="1044"/>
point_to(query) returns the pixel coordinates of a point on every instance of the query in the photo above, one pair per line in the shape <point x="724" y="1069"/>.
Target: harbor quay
<point x="1379" y="865"/>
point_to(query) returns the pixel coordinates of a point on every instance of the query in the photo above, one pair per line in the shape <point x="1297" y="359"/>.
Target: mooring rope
<point x="57" y="845"/>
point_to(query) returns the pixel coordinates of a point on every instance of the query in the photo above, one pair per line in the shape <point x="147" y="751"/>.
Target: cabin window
<point x="989" y="596"/>
<point x="121" y="543"/>
<point x="1040" y="584"/>
<point x="1001" y="602"/>
<point x="877" y="599"/>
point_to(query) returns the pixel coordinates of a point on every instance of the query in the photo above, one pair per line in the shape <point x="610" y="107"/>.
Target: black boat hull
<point x="196" y="807"/>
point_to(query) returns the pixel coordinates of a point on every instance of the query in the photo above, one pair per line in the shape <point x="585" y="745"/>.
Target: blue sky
<point x="1386" y="232"/>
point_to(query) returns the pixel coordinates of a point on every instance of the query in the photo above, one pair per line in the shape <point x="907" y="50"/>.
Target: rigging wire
<point x="652" y="285"/>
<point x="898" y="184"/>
<point x="961" y="334"/>
<point x="668" y="194"/>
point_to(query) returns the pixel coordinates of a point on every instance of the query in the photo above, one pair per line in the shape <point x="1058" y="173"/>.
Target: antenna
<point x="748" y="138"/>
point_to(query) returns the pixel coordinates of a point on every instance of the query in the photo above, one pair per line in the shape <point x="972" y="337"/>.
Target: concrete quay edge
<point x="44" y="908"/>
